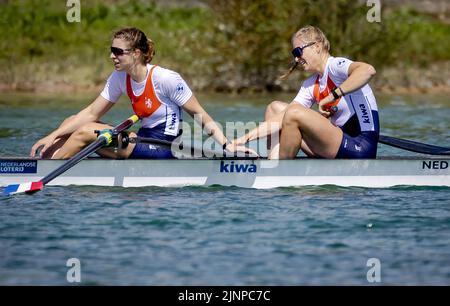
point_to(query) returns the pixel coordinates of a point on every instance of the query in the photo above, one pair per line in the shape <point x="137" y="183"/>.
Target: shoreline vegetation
<point x="231" y="46"/>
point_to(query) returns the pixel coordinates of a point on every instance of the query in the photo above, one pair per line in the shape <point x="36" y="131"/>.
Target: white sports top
<point x="170" y="88"/>
<point x="357" y="111"/>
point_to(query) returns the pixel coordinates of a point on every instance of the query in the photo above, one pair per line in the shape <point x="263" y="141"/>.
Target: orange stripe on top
<point x="320" y="95"/>
<point x="147" y="103"/>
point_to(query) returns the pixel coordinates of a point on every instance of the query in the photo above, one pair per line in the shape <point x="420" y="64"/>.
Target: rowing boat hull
<point x="383" y="172"/>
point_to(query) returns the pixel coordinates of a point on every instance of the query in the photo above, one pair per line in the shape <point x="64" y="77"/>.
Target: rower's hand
<point x="324" y="109"/>
<point x="235" y="148"/>
<point x="45" y="143"/>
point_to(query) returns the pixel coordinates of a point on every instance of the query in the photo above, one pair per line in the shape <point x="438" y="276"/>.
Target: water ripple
<point x="226" y="236"/>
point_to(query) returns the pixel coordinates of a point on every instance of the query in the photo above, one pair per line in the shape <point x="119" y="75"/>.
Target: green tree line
<point x="232" y="45"/>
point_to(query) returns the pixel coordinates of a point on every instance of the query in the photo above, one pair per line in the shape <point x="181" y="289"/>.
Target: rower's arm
<point x="359" y="74"/>
<point x="91" y="113"/>
<point x="272" y="125"/>
<point x="193" y="108"/>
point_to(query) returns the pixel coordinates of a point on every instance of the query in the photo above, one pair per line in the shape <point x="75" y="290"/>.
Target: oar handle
<point x="125" y="125"/>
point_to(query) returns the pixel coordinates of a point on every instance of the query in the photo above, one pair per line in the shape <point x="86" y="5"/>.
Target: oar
<point x="102" y="140"/>
<point x="409" y="145"/>
<point x="413" y="146"/>
<point x="183" y="147"/>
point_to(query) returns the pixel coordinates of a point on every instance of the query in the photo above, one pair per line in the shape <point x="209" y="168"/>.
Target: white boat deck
<point x="249" y="173"/>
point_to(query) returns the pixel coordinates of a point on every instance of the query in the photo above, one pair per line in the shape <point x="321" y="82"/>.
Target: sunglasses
<point x="298" y="52"/>
<point x="117" y="51"/>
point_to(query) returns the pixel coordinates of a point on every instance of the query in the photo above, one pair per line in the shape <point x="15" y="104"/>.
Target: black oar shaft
<point x="153" y="141"/>
<point x="413" y="146"/>
<point x="97" y="144"/>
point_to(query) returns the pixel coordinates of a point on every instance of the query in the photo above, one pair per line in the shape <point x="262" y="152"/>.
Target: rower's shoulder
<point x="164" y="71"/>
<point x="117" y="75"/>
<point x="116" y="79"/>
<point x="165" y="75"/>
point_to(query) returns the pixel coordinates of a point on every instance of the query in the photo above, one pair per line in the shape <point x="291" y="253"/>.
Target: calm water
<point x="224" y="236"/>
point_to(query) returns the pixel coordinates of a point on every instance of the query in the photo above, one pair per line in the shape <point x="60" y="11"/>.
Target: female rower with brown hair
<point x="158" y="96"/>
<point x="347" y="124"/>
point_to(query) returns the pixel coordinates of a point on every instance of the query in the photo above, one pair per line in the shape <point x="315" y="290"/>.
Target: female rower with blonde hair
<point x="157" y="95"/>
<point x="346" y="125"/>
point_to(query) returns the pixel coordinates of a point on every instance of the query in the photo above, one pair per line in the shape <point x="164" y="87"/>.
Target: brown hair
<point x="308" y="34"/>
<point x="137" y="40"/>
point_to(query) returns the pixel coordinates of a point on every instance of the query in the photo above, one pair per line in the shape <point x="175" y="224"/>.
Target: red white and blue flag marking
<point x="23" y="188"/>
